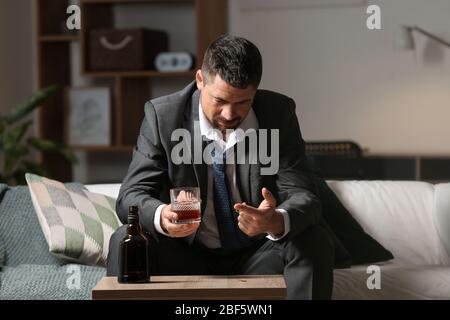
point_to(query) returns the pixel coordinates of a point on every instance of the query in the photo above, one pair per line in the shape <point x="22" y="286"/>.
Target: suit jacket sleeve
<point x="146" y="176"/>
<point x="297" y="190"/>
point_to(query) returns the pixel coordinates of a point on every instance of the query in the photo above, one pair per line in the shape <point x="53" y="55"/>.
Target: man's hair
<point x="236" y="60"/>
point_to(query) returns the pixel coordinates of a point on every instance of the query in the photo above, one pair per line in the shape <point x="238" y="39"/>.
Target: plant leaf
<point x="29" y="105"/>
<point x="13" y="136"/>
<point x="12" y="156"/>
<point x="69" y="155"/>
<point x="2" y="125"/>
<point x="51" y="146"/>
<point x="44" y="144"/>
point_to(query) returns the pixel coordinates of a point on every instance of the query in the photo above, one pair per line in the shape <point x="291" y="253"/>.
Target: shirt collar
<point x="207" y="129"/>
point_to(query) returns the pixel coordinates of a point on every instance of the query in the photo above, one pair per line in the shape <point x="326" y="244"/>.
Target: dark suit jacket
<point x="151" y="173"/>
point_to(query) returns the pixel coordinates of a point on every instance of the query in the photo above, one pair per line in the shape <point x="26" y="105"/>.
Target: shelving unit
<point x="58" y="38"/>
<point x="130" y="89"/>
<point x="138" y="74"/>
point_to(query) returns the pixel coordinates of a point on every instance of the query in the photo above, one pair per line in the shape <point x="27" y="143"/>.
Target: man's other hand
<point x="264" y="219"/>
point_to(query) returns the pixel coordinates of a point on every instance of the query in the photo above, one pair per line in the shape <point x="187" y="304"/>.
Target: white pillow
<point x="110" y="190"/>
<point x="399" y="214"/>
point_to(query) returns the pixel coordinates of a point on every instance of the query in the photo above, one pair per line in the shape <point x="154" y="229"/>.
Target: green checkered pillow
<point x="77" y="224"/>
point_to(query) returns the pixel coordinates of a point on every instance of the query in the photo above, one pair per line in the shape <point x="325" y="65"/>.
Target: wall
<point x="17" y="75"/>
<point x="353" y="83"/>
<point x="17" y="63"/>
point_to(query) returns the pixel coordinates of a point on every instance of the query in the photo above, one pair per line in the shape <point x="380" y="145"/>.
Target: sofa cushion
<point x="2" y="252"/>
<point x="77" y="224"/>
<point x="399" y="214"/>
<point x="22" y="236"/>
<point x="3" y="189"/>
<point x="442" y="213"/>
<point x="396" y="282"/>
<point x="108" y="189"/>
<point x="361" y="246"/>
<point x="49" y="282"/>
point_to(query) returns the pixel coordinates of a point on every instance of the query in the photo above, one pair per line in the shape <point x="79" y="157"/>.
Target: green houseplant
<point x="15" y="149"/>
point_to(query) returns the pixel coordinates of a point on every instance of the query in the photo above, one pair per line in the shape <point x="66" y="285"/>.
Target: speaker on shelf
<point x="174" y="61"/>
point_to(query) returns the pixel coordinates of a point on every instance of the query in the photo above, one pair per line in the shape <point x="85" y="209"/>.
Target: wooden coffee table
<point x="258" y="287"/>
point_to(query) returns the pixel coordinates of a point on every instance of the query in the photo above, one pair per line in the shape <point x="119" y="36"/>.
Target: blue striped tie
<point x="231" y="237"/>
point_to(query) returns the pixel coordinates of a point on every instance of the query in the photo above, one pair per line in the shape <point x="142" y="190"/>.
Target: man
<point x="252" y="223"/>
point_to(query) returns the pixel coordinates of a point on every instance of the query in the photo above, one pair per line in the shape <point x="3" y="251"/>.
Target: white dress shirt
<point x="207" y="233"/>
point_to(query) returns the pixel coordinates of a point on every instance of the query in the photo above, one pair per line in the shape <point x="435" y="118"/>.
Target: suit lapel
<point x="191" y="123"/>
<point x="255" y="184"/>
<point x="249" y="181"/>
<point x="243" y="174"/>
<point x="254" y="169"/>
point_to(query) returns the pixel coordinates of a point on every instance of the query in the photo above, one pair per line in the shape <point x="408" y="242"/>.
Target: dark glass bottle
<point x="133" y="256"/>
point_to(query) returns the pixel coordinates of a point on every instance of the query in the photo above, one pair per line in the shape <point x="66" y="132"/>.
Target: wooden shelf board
<point x="136" y="74"/>
<point x="135" y="1"/>
<point x="59" y="38"/>
<point x="102" y="148"/>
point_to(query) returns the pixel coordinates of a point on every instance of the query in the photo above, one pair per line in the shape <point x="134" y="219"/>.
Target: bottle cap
<point x="133" y="209"/>
<point x="133" y="214"/>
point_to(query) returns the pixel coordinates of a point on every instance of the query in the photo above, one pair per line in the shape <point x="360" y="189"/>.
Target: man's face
<point x="224" y="105"/>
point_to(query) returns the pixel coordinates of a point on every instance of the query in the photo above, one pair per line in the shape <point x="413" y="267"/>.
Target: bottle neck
<point x="133" y="225"/>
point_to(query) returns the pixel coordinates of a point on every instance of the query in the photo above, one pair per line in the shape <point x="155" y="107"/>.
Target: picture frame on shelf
<point x="88" y="120"/>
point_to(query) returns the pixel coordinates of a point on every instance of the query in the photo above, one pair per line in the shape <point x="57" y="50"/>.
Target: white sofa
<point x="412" y="220"/>
<point x="409" y="218"/>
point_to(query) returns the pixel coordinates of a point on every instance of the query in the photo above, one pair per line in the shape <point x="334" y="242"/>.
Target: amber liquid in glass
<point x="188" y="215"/>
